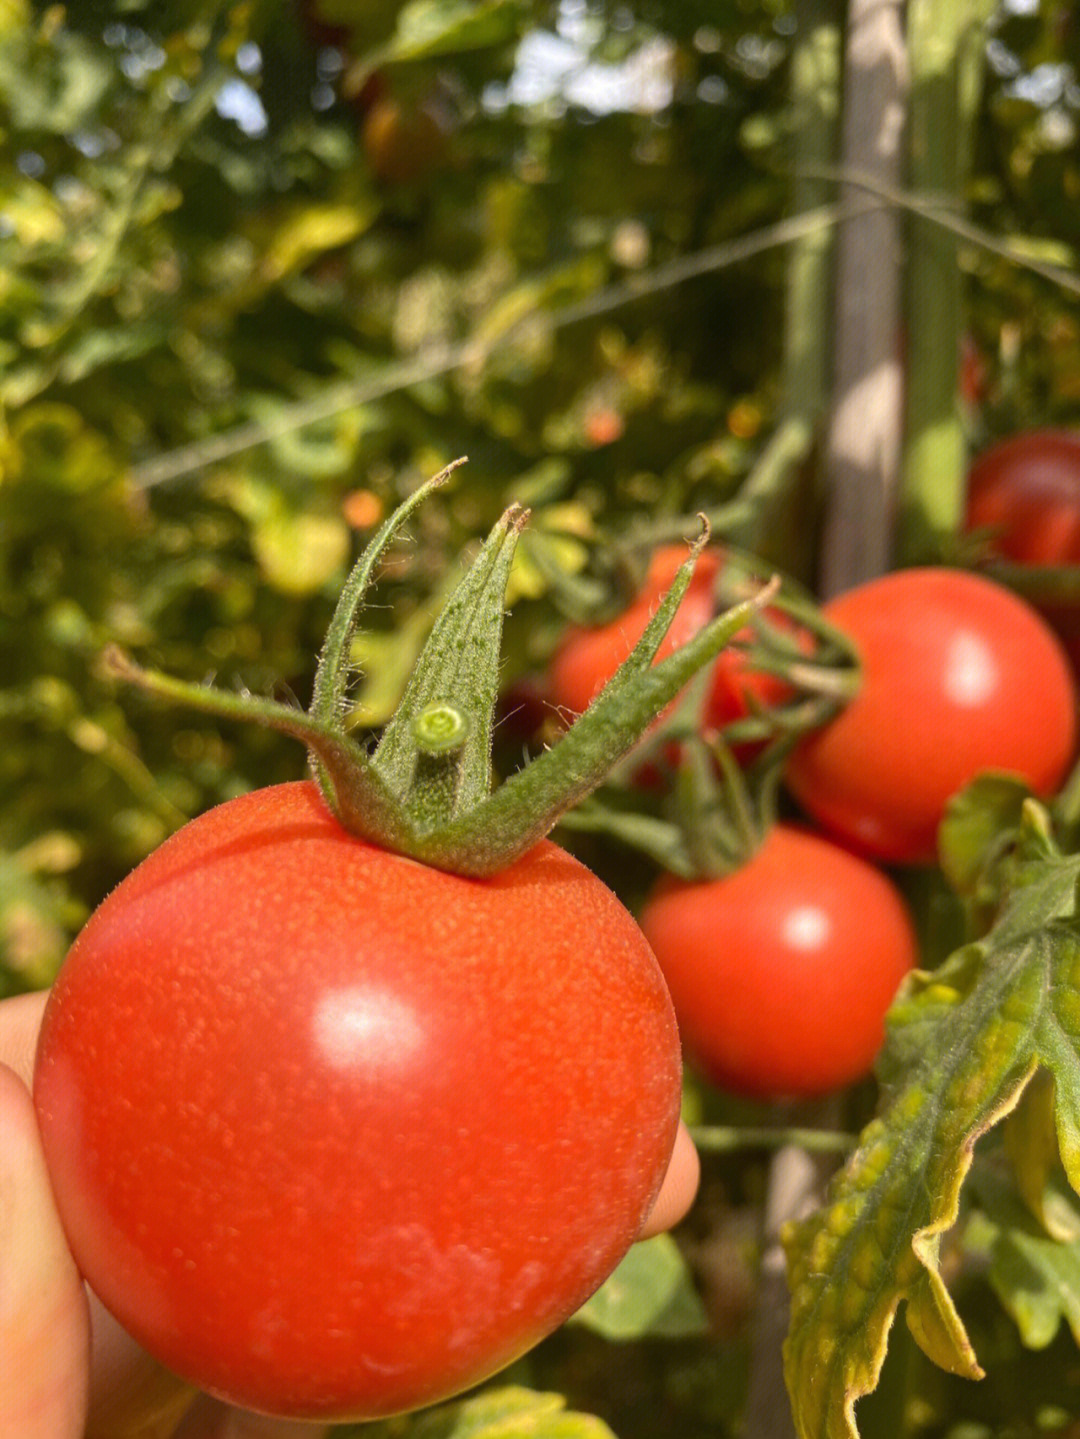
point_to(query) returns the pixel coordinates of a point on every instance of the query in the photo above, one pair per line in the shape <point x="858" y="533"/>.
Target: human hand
<point x="67" y="1369"/>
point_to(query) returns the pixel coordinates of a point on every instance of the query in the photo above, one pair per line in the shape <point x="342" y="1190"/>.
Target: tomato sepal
<point x="436" y="803"/>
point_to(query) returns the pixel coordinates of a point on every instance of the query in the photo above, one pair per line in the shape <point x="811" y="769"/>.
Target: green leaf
<point x="1036" y="1277"/>
<point x="1032" y="1145"/>
<point x="426" y="28"/>
<point x="979" y="824"/>
<point x="963" y="1046"/>
<point x="507" y="1413"/>
<point x="651" y="1294"/>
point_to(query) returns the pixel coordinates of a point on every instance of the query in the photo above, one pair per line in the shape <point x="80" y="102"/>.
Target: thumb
<point x="44" y="1323"/>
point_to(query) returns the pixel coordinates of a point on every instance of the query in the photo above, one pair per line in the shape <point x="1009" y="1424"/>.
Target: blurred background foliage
<point x="265" y="265"/>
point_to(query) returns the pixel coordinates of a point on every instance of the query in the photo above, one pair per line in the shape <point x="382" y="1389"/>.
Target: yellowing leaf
<point x="964" y="1044"/>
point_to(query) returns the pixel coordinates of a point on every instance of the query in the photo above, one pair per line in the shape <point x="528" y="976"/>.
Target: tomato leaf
<point x="979" y="824"/>
<point x="459" y="668"/>
<point x="1036" y="1277"/>
<point x="1031" y="1142"/>
<point x="446" y="27"/>
<point x="964" y="1043"/>
<point x="505" y="1413"/>
<point x="650" y="1294"/>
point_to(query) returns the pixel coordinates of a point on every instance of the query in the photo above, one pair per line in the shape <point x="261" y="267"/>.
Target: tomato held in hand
<point x="781" y="972"/>
<point x="589" y="655"/>
<point x="334" y="1133"/>
<point x="959" y="676"/>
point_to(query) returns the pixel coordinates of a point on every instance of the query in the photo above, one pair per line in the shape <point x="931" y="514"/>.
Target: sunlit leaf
<point x="506" y="1413"/>
<point x="299" y="551"/>
<point x="311" y="230"/>
<point x="427" y="28"/>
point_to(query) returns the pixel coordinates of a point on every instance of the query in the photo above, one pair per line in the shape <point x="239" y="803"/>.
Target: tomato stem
<point x="426" y="790"/>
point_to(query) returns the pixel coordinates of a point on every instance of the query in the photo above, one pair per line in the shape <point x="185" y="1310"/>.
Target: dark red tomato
<point x="782" y="971"/>
<point x="959" y="676"/>
<point x="1026" y="492"/>
<point x="588" y="656"/>
<point x="333" y="1133"/>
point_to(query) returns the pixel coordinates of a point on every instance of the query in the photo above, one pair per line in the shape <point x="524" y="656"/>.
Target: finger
<point x="130" y="1395"/>
<point x="679" y="1188"/>
<point x="20" y="1020"/>
<point x="44" y="1324"/>
<point x="210" y="1419"/>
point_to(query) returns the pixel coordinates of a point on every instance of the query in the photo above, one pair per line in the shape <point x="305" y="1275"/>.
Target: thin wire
<point x="441" y="360"/>
<point x="936" y="211"/>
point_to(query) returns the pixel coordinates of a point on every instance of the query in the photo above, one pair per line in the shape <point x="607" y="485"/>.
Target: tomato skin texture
<point x="589" y="655"/>
<point x="335" y="1134"/>
<point x="959" y="676"/>
<point x="782" y="971"/>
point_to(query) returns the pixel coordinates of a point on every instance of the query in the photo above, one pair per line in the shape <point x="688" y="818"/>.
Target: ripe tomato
<point x="588" y="656"/>
<point x="959" y="676"/>
<point x="782" y="971"/>
<point x="1026" y="492"/>
<point x="333" y="1133"/>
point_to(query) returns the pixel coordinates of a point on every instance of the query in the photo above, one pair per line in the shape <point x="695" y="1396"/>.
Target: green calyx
<point x="426" y="789"/>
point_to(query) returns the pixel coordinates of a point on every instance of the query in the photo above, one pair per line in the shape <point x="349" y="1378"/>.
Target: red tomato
<point x="588" y="656"/>
<point x="1026" y="492"/>
<point x="782" y="971"/>
<point x="959" y="676"/>
<point x="333" y="1133"/>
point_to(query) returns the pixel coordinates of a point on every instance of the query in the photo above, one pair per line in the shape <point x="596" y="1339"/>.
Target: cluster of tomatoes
<point x="781" y="971"/>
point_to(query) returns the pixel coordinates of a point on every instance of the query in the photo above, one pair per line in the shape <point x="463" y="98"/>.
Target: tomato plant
<point x="959" y="676"/>
<point x="588" y="656"/>
<point x="334" y="1143"/>
<point x="781" y="971"/>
